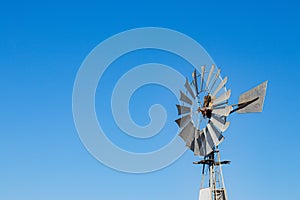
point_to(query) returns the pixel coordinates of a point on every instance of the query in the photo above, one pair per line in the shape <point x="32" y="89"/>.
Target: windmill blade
<point x="209" y="76"/>
<point x="220" y="86"/>
<point x="188" y="133"/>
<point x="222" y="111"/>
<point x="194" y="145"/>
<point x="214" y="80"/>
<point x="183" y="109"/>
<point x="222" y="98"/>
<point x="199" y="144"/>
<point x="257" y="106"/>
<point x="189" y="89"/>
<point x="218" y="123"/>
<point x="185" y="99"/>
<point x="219" y="105"/>
<point x="202" y="144"/>
<point x="195" y="81"/>
<point x="215" y="134"/>
<point x="181" y="122"/>
<point x="202" y="77"/>
<point x="221" y="119"/>
<point x="209" y="144"/>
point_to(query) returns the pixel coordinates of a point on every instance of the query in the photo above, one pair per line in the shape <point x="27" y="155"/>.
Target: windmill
<point x="203" y="114"/>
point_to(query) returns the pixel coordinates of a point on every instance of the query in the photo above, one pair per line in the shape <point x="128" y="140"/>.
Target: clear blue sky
<point x="42" y="45"/>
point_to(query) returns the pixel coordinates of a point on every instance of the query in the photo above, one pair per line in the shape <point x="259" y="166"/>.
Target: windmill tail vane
<point x="203" y="111"/>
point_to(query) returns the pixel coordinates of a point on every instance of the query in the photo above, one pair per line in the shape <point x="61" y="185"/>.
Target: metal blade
<point x="222" y="111"/>
<point x="219" y="105"/>
<point x="199" y="143"/>
<point x="216" y="135"/>
<point x="221" y="119"/>
<point x="184" y="98"/>
<point x="202" y="77"/>
<point x="214" y="80"/>
<point x="222" y="98"/>
<point x="189" y="89"/>
<point x="188" y="133"/>
<point x="202" y="144"/>
<point x="209" y="144"/>
<point x="220" y="86"/>
<point x="257" y="106"/>
<point x="209" y="76"/>
<point x="195" y="81"/>
<point x="181" y="122"/>
<point x="222" y="127"/>
<point x="183" y="109"/>
<point x="192" y="146"/>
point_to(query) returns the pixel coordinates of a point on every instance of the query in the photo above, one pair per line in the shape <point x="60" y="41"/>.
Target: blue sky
<point x="42" y="46"/>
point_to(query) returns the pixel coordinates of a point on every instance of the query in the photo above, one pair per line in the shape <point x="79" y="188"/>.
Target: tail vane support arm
<point x="243" y="105"/>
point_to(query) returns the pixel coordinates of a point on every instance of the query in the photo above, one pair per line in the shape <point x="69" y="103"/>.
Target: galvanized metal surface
<point x="257" y="106"/>
<point x="183" y="109"/>
<point x="205" y="142"/>
<point x="220" y="86"/>
<point x="185" y="98"/>
<point x="189" y="89"/>
<point x="222" y="98"/>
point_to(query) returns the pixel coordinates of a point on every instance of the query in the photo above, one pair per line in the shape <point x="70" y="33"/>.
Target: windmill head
<point x="206" y="101"/>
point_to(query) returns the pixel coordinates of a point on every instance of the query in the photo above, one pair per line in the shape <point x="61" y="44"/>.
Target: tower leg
<point x="212" y="187"/>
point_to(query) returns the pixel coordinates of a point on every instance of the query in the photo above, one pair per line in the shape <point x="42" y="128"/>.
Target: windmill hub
<point x="206" y="110"/>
